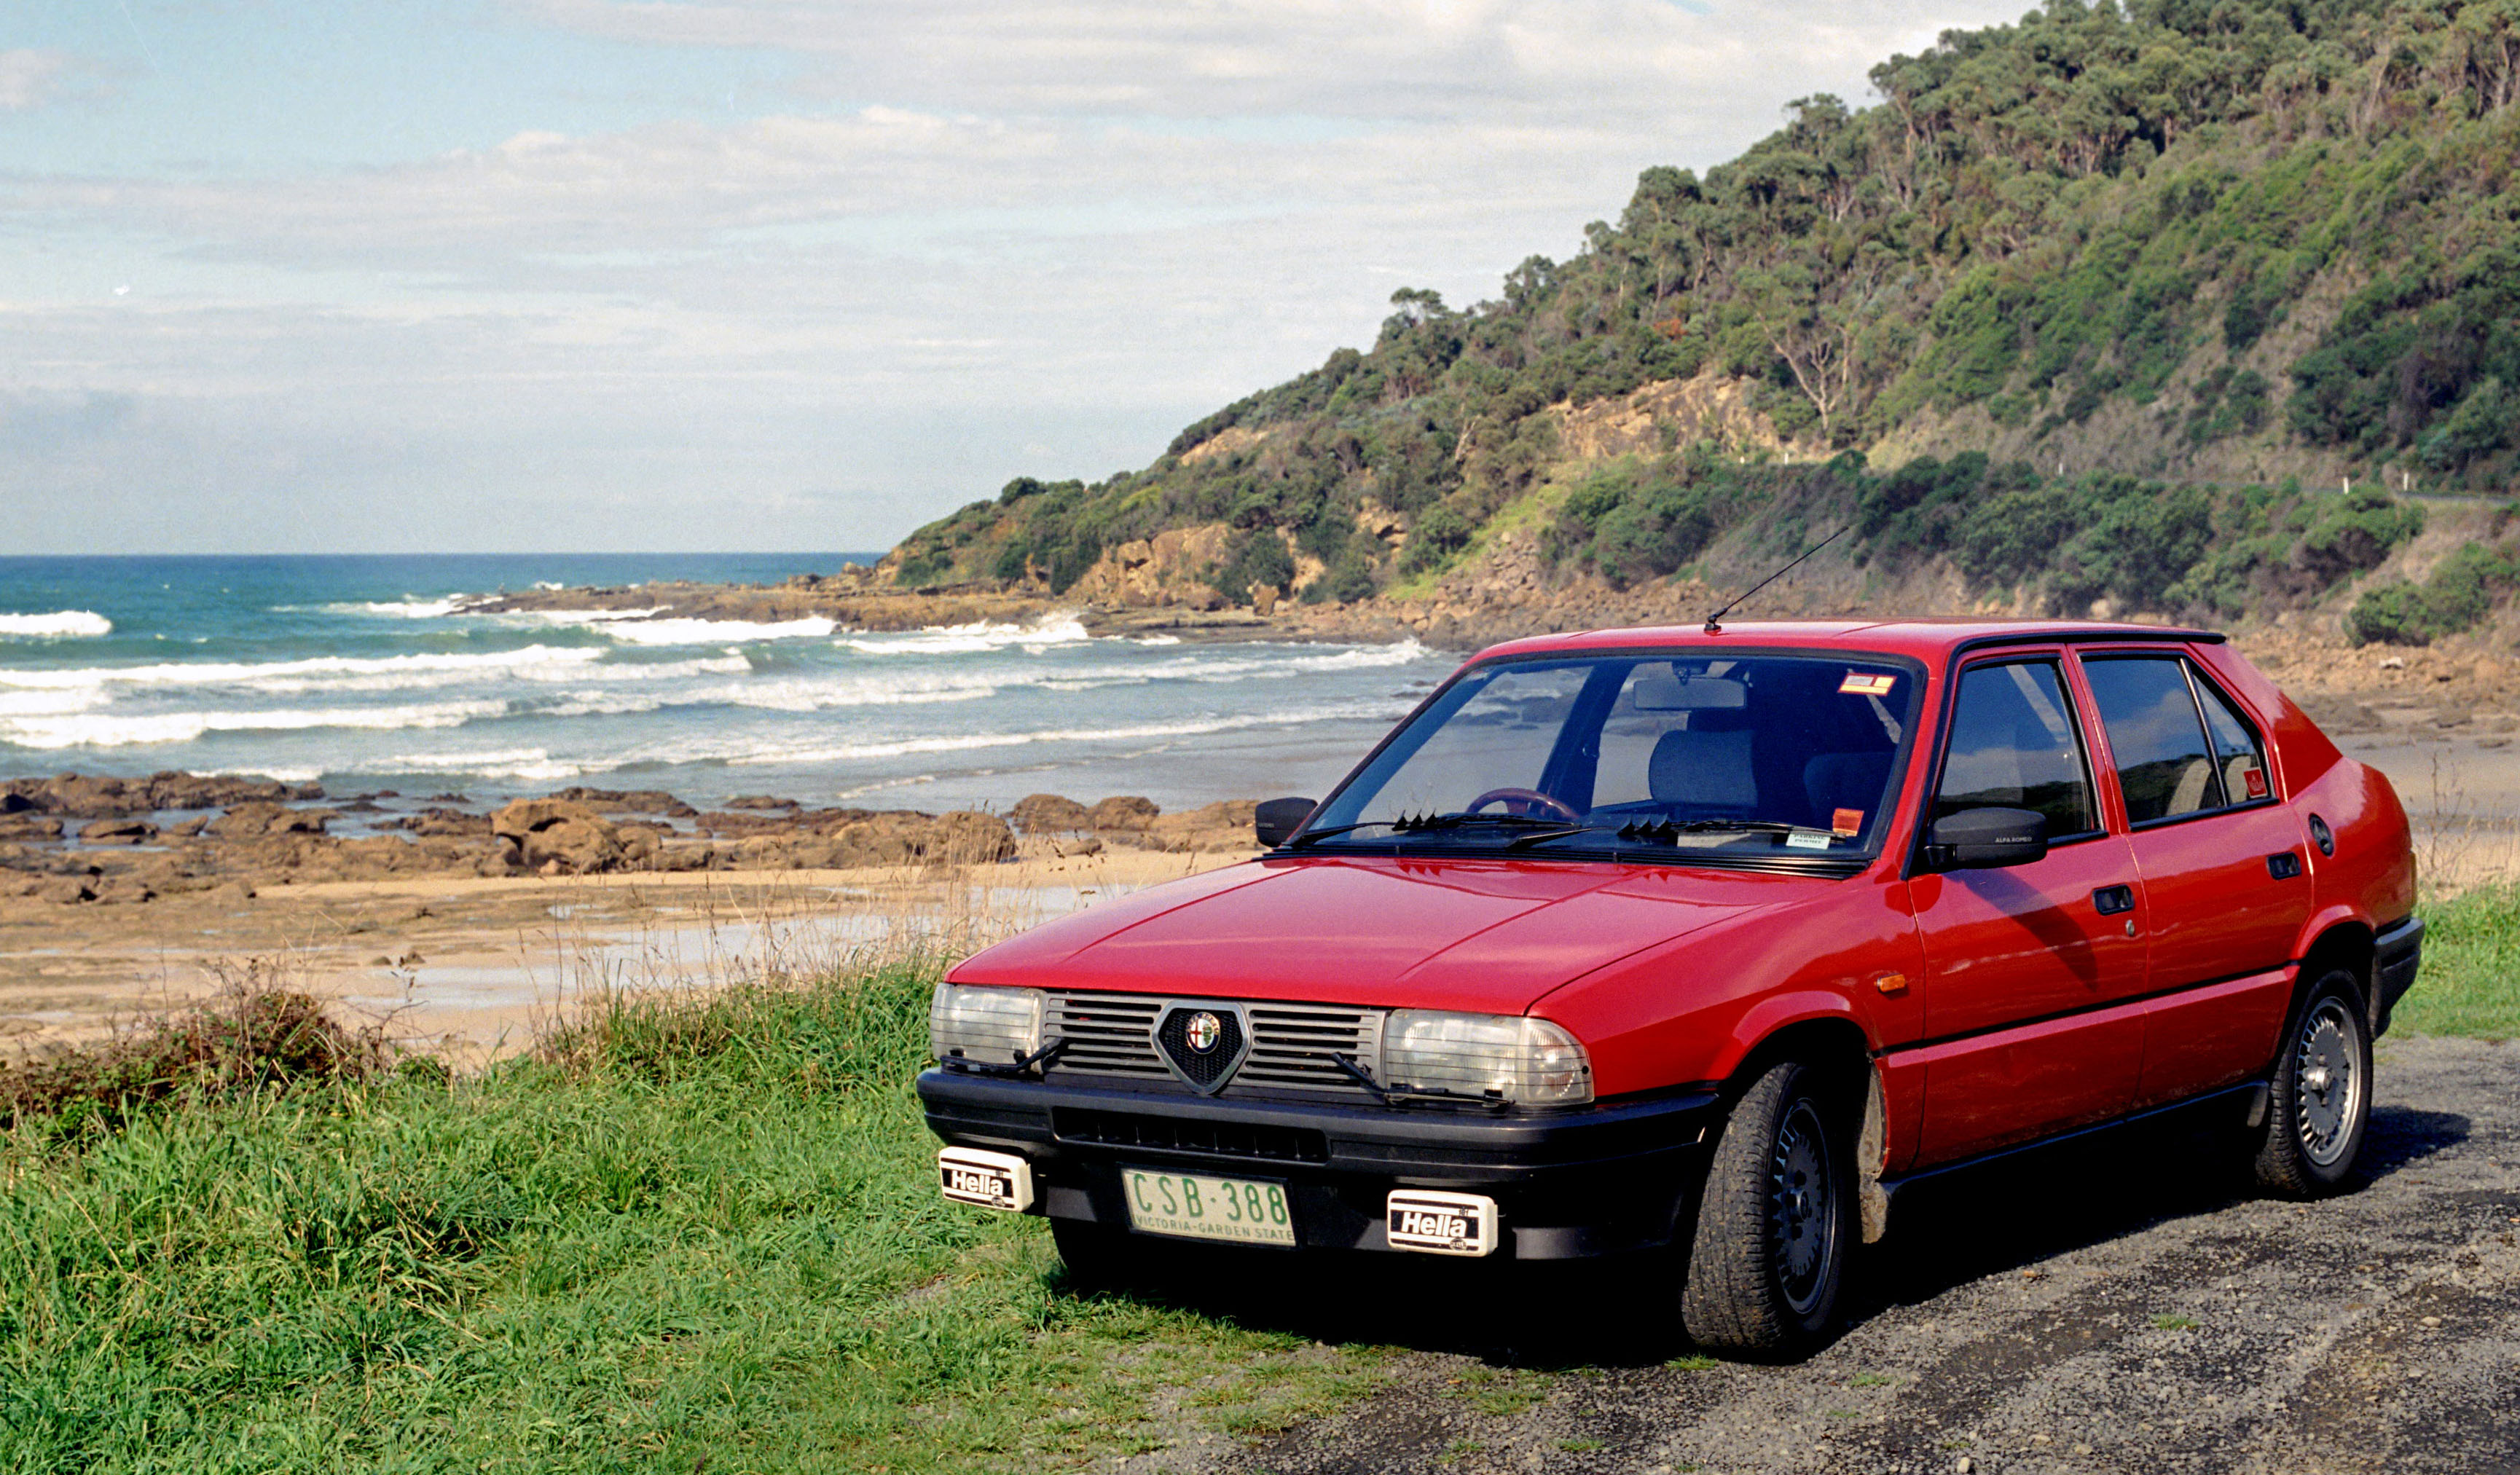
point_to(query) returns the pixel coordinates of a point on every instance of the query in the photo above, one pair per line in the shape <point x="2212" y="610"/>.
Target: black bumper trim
<point x="2397" y="951"/>
<point x="1586" y="1181"/>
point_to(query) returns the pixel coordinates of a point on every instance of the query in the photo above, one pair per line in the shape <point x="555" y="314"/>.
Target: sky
<point x="780" y="275"/>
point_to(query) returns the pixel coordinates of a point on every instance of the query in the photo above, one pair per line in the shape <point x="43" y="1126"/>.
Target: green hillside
<point x="2083" y="302"/>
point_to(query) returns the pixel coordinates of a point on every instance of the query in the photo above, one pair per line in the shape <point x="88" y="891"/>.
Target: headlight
<point x="1000" y="1026"/>
<point x="1523" y="1059"/>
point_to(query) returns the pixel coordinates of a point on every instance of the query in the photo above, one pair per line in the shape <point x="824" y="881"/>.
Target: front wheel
<point x="2320" y="1101"/>
<point x="1774" y="1222"/>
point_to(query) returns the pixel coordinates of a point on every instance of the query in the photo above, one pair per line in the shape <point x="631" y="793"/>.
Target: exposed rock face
<point x="1711" y="407"/>
<point x="27" y="826"/>
<point x="1168" y="570"/>
<point x="1049" y="814"/>
<point x="561" y="836"/>
<point x="1124" y="812"/>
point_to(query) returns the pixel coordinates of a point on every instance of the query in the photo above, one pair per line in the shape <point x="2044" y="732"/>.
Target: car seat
<point x="1704" y="769"/>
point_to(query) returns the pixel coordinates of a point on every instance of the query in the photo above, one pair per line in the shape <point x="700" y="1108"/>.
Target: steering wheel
<point x="1526" y="802"/>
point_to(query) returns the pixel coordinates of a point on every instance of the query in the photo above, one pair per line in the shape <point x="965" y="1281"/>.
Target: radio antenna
<point x="1715" y="621"/>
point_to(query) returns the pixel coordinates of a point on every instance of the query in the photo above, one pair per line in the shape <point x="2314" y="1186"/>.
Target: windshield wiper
<point x="1659" y="832"/>
<point x="1406" y="825"/>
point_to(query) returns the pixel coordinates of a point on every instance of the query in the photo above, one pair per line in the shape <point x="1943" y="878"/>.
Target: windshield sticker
<point x="2256" y="780"/>
<point x="1867" y="684"/>
<point x="1847" y="822"/>
<point x="1805" y="839"/>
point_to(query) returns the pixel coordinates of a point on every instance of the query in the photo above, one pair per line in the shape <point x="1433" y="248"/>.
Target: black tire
<point x="2319" y="1103"/>
<point x="1776" y="1221"/>
<point x="1098" y="1256"/>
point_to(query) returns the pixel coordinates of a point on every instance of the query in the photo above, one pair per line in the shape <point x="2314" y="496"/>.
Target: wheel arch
<point x="2344" y="943"/>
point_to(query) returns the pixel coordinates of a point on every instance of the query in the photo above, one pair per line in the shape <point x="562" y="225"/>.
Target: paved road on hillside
<point x="2133" y="1309"/>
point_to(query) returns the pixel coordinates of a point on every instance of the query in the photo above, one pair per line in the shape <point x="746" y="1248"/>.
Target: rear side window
<point x="2166" y="767"/>
<point x="2014" y="744"/>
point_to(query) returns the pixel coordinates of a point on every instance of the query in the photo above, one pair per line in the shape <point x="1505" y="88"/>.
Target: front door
<point x="2032" y="972"/>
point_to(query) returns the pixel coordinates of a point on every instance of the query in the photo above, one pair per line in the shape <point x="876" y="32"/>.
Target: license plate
<point x="1242" y="1210"/>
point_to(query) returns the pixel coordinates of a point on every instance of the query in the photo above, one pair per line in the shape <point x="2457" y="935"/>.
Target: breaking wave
<point x="58" y="625"/>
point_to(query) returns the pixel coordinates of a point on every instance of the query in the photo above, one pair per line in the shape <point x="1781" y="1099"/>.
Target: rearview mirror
<point x="1276" y="821"/>
<point x="1982" y="839"/>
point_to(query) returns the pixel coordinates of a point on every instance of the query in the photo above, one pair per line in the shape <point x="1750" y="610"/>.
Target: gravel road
<point x="2134" y="1308"/>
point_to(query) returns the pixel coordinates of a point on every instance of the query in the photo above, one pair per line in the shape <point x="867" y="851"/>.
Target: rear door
<point x="2223" y="872"/>
<point x="2033" y="972"/>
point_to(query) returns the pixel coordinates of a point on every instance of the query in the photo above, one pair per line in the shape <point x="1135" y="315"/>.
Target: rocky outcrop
<point x="1211" y="828"/>
<point x="1049" y="814"/>
<point x="84" y="796"/>
<point x="1124" y="812"/>
<point x="264" y="817"/>
<point x="562" y="836"/>
<point x="262" y="842"/>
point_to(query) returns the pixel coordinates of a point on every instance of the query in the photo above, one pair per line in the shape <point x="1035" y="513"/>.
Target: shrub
<point x="2460" y="593"/>
<point x="1437" y="534"/>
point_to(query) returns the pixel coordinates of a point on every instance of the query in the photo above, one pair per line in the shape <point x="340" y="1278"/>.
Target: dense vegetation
<point x="2120" y="237"/>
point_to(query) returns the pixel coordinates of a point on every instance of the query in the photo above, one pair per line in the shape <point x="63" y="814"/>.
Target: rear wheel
<point x="2320" y="1102"/>
<point x="1774" y="1222"/>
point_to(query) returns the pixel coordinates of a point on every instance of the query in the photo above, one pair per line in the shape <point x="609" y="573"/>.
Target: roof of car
<point x="1927" y="639"/>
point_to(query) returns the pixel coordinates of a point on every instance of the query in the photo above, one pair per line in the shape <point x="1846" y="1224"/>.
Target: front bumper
<point x="1570" y="1184"/>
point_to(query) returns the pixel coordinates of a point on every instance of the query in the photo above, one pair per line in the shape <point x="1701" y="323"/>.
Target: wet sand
<point x="473" y="967"/>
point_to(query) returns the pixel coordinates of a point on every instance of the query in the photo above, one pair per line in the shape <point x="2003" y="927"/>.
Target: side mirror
<point x="1982" y="839"/>
<point x="1276" y="821"/>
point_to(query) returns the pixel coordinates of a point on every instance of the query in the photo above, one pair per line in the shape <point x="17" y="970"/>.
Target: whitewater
<point x="368" y="675"/>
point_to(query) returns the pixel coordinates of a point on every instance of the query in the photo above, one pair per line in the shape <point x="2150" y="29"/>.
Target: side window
<point x="2013" y="743"/>
<point x="2237" y="753"/>
<point x="2156" y="737"/>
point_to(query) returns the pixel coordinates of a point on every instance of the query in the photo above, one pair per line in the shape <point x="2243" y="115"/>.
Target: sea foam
<point x="58" y="625"/>
<point x="105" y="730"/>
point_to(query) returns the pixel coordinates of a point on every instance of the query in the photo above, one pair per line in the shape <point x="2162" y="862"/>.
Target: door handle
<point x="2109" y="901"/>
<point x="2283" y="865"/>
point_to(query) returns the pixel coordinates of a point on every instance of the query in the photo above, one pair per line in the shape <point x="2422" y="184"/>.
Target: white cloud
<point x="1029" y="239"/>
<point x="30" y="78"/>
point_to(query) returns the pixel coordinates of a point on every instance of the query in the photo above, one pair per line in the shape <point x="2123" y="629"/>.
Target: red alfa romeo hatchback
<point x="1708" y="941"/>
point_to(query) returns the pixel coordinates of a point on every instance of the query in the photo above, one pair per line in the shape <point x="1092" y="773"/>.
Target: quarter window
<point x="2014" y="744"/>
<point x="2238" y="754"/>
<point x="2157" y="739"/>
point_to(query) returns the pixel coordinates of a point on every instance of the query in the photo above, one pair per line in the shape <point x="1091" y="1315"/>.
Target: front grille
<point x="1202" y="1069"/>
<point x="1112" y="1035"/>
<point x="1159" y="1134"/>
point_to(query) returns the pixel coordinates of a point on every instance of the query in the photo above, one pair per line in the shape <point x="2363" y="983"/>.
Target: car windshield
<point x="1715" y="756"/>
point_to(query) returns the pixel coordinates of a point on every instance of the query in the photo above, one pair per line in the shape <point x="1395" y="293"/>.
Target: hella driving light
<point x="1521" y="1059"/>
<point x="999" y="1026"/>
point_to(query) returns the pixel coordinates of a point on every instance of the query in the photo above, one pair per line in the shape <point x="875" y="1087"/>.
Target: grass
<point x="2471" y="980"/>
<point x="686" y="1235"/>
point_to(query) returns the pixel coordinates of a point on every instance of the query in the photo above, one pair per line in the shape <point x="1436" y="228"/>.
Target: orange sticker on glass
<point x="1867" y="684"/>
<point x="2256" y="780"/>
<point x="1847" y="822"/>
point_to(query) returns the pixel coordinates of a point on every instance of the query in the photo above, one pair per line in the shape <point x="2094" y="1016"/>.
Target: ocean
<point x="368" y="673"/>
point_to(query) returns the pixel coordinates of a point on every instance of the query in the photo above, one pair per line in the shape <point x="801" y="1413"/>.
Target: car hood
<point x="1489" y="936"/>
